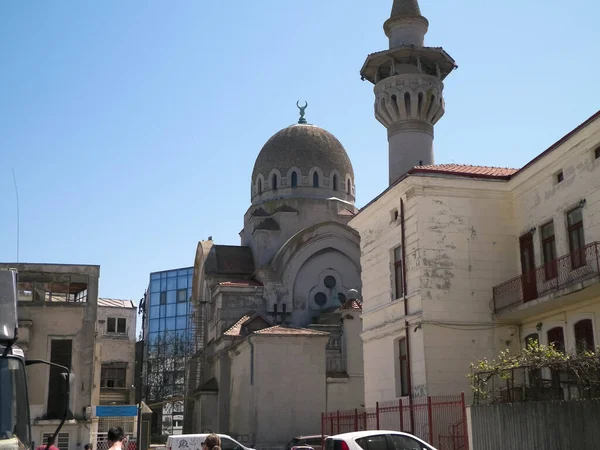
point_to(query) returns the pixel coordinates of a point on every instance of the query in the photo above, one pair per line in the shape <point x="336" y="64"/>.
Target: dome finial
<point x="302" y="109"/>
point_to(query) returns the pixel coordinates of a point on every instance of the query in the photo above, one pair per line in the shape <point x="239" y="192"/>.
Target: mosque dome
<point x="302" y="160"/>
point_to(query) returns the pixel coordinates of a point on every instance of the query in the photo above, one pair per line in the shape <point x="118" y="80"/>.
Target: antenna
<point x="18" y="213"/>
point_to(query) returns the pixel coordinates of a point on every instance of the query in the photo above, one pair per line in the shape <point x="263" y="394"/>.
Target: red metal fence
<point x="440" y="421"/>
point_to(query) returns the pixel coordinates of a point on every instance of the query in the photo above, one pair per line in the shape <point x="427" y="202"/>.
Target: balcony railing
<point x="567" y="270"/>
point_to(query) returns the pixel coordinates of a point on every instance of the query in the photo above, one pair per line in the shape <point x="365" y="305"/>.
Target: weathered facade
<point x="58" y="308"/>
<point x="116" y="342"/>
<point x="442" y="248"/>
<point x="287" y="290"/>
<point x="448" y="243"/>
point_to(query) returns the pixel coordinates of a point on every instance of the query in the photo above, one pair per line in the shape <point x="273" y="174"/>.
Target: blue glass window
<point x="182" y="272"/>
<point x="172" y="273"/>
<point x="152" y="338"/>
<point x="163" y="310"/>
<point x="190" y="278"/>
<point x="154" y="286"/>
<point x="163" y="275"/>
<point x="171" y="297"/>
<point x="189" y="293"/>
<point x="171" y="310"/>
<point x="182" y="309"/>
<point x="182" y="282"/>
<point x="182" y="323"/>
<point x="171" y="324"/>
<point x="154" y="325"/>
<point x="161" y="325"/>
<point x="171" y="284"/>
<point x="154" y="312"/>
<point x="155" y="299"/>
<point x="163" y="284"/>
<point x="155" y="276"/>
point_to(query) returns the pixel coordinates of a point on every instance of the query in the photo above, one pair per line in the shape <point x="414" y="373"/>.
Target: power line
<point x="18" y="212"/>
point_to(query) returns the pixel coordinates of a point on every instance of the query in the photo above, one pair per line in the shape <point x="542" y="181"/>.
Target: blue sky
<point x="133" y="127"/>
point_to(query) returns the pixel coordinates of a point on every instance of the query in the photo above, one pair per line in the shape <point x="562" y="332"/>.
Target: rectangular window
<point x="549" y="250"/>
<point x="597" y="153"/>
<point x="556" y="336"/>
<point x="560" y="177"/>
<point x="163" y="298"/>
<point x="116" y="325"/>
<point x="61" y="351"/>
<point x="398" y="273"/>
<point x="113" y="377"/>
<point x="62" y="440"/>
<point x="403" y="355"/>
<point x="576" y="238"/>
<point x="181" y="295"/>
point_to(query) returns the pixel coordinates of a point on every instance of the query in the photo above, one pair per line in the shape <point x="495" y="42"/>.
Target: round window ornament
<point x="342" y="298"/>
<point x="320" y="298"/>
<point x="329" y="282"/>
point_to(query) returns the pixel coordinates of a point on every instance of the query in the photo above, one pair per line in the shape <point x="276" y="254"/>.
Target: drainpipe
<point x="406" y="326"/>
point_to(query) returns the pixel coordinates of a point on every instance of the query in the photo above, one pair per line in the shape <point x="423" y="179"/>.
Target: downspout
<point x="406" y="326"/>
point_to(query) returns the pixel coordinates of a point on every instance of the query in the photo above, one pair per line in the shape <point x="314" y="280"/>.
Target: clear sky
<point x="133" y="126"/>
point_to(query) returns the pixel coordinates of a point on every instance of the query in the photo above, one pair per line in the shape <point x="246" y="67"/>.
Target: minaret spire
<point x="408" y="81"/>
<point x="406" y="25"/>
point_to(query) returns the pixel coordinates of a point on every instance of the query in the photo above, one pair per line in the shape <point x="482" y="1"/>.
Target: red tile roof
<point x="346" y="212"/>
<point x="466" y="170"/>
<point x="237" y="327"/>
<point x="279" y="330"/>
<point x="351" y="304"/>
<point x="240" y="283"/>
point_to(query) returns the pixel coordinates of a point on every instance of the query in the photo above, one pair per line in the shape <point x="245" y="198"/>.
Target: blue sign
<point x="116" y="411"/>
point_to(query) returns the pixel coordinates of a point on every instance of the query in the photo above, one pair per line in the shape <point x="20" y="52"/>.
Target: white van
<point x="194" y="442"/>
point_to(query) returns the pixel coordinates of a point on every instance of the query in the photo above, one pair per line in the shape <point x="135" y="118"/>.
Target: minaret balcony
<point x="409" y="98"/>
<point x="432" y="61"/>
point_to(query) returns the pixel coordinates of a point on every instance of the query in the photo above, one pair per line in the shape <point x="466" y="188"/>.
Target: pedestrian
<point x="212" y="442"/>
<point x="116" y="435"/>
<point x="49" y="445"/>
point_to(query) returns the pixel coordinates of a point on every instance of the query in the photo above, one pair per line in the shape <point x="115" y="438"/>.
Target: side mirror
<point x="68" y="377"/>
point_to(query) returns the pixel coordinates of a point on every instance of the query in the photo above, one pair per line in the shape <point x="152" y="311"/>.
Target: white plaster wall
<point x="118" y="348"/>
<point x="285" y="407"/>
<point x="243" y="406"/>
<point x="538" y="199"/>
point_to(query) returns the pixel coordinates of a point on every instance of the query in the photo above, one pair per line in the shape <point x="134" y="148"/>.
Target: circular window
<point x="329" y="282"/>
<point x="320" y="298"/>
<point x="342" y="298"/>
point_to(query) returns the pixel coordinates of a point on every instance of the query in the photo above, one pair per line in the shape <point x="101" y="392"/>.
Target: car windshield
<point x="14" y="412"/>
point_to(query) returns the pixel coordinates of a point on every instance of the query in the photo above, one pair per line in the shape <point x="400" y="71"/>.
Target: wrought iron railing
<point x="553" y="382"/>
<point x="569" y="269"/>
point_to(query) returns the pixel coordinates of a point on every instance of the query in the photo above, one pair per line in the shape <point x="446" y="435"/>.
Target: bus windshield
<point x="14" y="410"/>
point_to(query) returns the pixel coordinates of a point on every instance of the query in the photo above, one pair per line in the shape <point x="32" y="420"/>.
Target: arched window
<point x="335" y="182"/>
<point x="556" y="336"/>
<point x="274" y="182"/>
<point x="349" y="186"/>
<point x="294" y="179"/>
<point x="315" y="179"/>
<point x="584" y="335"/>
<point x="259" y="186"/>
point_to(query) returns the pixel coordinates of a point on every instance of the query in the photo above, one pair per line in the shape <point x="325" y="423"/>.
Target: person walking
<point x="49" y="445"/>
<point x="115" y="438"/>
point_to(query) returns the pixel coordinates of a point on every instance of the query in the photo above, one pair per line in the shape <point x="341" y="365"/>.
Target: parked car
<point x="313" y="441"/>
<point x="376" y="440"/>
<point x="194" y="442"/>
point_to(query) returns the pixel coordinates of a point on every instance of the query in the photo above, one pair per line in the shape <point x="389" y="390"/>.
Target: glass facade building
<point x="168" y="331"/>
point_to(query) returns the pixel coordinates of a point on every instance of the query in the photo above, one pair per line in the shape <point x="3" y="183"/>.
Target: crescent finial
<point x="302" y="111"/>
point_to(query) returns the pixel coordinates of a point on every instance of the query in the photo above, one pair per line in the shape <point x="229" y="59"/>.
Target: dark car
<point x="313" y="441"/>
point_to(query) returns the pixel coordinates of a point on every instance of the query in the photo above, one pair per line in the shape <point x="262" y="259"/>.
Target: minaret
<point x="408" y="81"/>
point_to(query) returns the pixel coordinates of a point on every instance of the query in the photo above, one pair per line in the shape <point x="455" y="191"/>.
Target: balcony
<point x="568" y="270"/>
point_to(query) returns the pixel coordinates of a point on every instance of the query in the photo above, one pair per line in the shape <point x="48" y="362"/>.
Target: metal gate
<point x="129" y="426"/>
